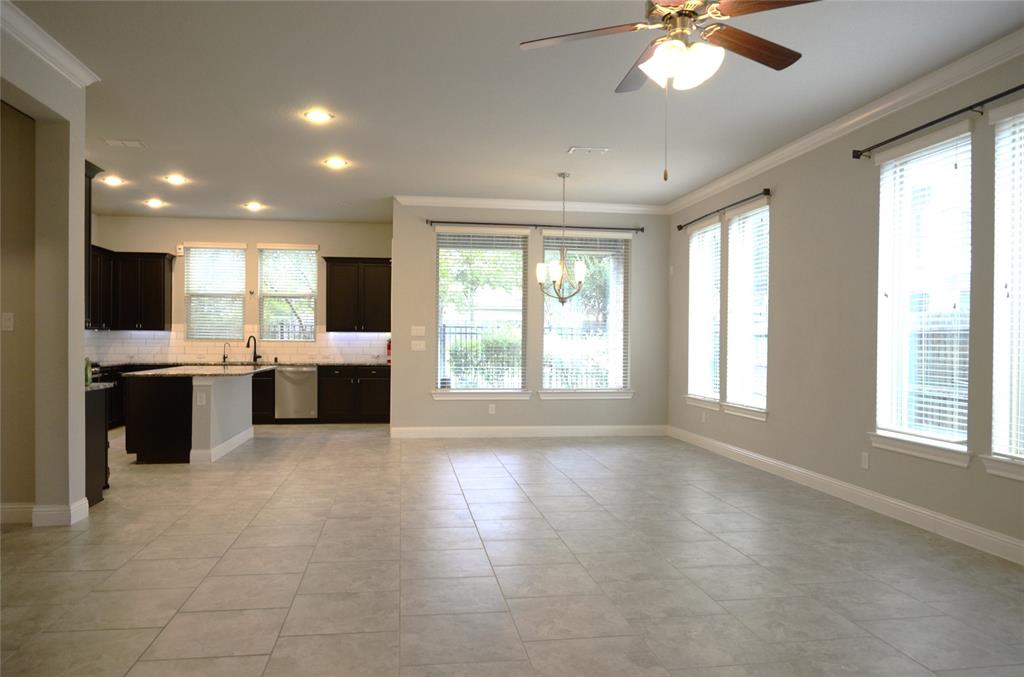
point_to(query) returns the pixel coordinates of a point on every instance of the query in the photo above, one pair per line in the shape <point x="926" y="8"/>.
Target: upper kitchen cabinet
<point x="358" y="294"/>
<point x="100" y="308"/>
<point x="142" y="291"/>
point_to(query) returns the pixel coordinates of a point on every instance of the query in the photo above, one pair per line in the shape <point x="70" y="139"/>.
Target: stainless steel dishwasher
<point x="294" y="392"/>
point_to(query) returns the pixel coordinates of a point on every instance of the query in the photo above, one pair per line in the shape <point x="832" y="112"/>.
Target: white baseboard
<point x="60" y="515"/>
<point x="222" y="449"/>
<point x="993" y="542"/>
<point x="409" y="432"/>
<point x="16" y="513"/>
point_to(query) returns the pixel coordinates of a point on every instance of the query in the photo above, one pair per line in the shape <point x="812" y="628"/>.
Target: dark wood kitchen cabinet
<point x="101" y="289"/>
<point x="358" y="294"/>
<point x="91" y="171"/>
<point x="349" y="394"/>
<point x="263" y="397"/>
<point x="96" y="445"/>
<point x="142" y="291"/>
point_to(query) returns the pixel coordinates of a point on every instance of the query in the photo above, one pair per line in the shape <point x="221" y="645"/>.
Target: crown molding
<point x="988" y="57"/>
<point x="20" y="27"/>
<point x="530" y="205"/>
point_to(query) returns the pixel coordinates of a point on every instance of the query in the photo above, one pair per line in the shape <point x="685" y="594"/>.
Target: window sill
<point x="704" y="403"/>
<point x="1004" y="466"/>
<point x="585" y="394"/>
<point x="482" y="394"/>
<point x="745" y="412"/>
<point x="932" y="450"/>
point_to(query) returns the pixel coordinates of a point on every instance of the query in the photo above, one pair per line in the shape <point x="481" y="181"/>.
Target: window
<point x="746" y="369"/>
<point x="1008" y="353"/>
<point x="481" y="303"/>
<point x="704" y="312"/>
<point x="288" y="292"/>
<point x="924" y="288"/>
<point x="214" y="291"/>
<point x="586" y="341"/>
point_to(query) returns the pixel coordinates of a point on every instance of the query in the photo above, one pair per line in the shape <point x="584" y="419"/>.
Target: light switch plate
<point x="7" y="321"/>
<point x="419" y="346"/>
<point x="419" y="330"/>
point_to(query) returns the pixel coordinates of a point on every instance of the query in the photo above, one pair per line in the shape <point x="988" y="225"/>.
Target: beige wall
<point x="160" y="234"/>
<point x="17" y="284"/>
<point x="58" y="106"/>
<point x="413" y="302"/>
<point x="821" y="355"/>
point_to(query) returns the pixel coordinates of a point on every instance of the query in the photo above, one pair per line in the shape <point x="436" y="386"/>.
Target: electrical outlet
<point x="200" y="399"/>
<point x="864" y="458"/>
<point x="418" y="330"/>
<point x="703" y="417"/>
<point x="419" y="346"/>
<point x="490" y="408"/>
<point x="7" y="322"/>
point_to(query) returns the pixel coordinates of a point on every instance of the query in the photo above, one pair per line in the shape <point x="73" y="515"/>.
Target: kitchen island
<point x="188" y="414"/>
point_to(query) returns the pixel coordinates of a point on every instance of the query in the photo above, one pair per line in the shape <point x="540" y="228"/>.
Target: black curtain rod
<point x="531" y="225"/>
<point x="765" y="192"/>
<point x="974" y="107"/>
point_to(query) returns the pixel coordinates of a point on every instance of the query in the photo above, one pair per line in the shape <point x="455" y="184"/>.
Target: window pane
<point x="586" y="341"/>
<point x="925" y="291"/>
<point x="214" y="292"/>
<point x="704" y="310"/>
<point x="481" y="321"/>
<point x="288" y="279"/>
<point x="1008" y="355"/>
<point x="747" y="302"/>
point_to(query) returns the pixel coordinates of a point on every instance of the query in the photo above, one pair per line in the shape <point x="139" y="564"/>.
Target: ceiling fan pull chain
<point x="664" y="175"/>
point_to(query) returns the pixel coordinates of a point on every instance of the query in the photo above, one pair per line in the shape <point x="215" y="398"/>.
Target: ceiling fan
<point x="694" y="42"/>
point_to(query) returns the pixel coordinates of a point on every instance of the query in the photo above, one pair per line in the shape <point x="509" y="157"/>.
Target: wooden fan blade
<point x="750" y="46"/>
<point x="582" y="35"/>
<point x="741" y="7"/>
<point x="635" y="78"/>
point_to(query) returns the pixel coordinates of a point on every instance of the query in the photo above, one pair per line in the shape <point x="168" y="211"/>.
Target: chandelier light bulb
<point x="542" y="273"/>
<point x="579" y="270"/>
<point x="555" y="271"/>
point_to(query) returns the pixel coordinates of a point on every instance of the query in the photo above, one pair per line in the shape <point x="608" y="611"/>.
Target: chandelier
<point x="553" y="277"/>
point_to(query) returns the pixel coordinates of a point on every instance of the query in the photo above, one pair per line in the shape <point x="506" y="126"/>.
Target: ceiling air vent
<point x="125" y="143"/>
<point x="587" y="150"/>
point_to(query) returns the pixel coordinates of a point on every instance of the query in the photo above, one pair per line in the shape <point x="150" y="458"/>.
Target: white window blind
<point x="214" y="292"/>
<point x="1008" y="353"/>
<point x="288" y="279"/>
<point x="746" y="381"/>
<point x="924" y="291"/>
<point x="481" y="304"/>
<point x="704" y="312"/>
<point x="586" y="341"/>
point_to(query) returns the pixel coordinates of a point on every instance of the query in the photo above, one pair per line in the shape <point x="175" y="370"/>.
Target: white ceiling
<point x="435" y="98"/>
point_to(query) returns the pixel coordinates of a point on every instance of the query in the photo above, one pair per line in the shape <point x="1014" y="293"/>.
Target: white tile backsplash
<point x="125" y="347"/>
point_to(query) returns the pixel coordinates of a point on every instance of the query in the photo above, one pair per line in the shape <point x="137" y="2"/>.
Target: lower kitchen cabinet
<point x="96" y="444"/>
<point x="263" y="397"/>
<point x="349" y="394"/>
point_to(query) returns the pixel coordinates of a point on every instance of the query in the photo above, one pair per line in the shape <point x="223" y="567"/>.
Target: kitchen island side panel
<point x="158" y="419"/>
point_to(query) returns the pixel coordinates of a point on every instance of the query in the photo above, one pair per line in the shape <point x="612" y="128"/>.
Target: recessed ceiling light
<point x="318" y="116"/>
<point x="254" y="206"/>
<point x="336" y="162"/>
<point x="113" y="180"/>
<point x="155" y="203"/>
<point x="176" y="179"/>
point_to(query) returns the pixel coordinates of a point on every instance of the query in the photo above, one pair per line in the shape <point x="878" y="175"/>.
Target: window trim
<point x="473" y="395"/>
<point x="268" y="246"/>
<point x="703" y="402"/>
<point x="586" y="394"/>
<point x="627" y="298"/>
<point x="185" y="246"/>
<point x="746" y="410"/>
<point x="1003" y="466"/>
<point x="521" y="393"/>
<point x="950" y="453"/>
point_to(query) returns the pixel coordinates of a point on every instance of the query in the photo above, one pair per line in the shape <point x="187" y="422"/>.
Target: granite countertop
<point x="98" y="386"/>
<point x="249" y="364"/>
<point x="204" y="370"/>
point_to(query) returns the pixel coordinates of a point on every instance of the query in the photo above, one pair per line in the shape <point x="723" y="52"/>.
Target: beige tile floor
<point x="333" y="550"/>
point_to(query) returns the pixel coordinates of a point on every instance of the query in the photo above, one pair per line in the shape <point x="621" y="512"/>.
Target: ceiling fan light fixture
<point x="687" y="66"/>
